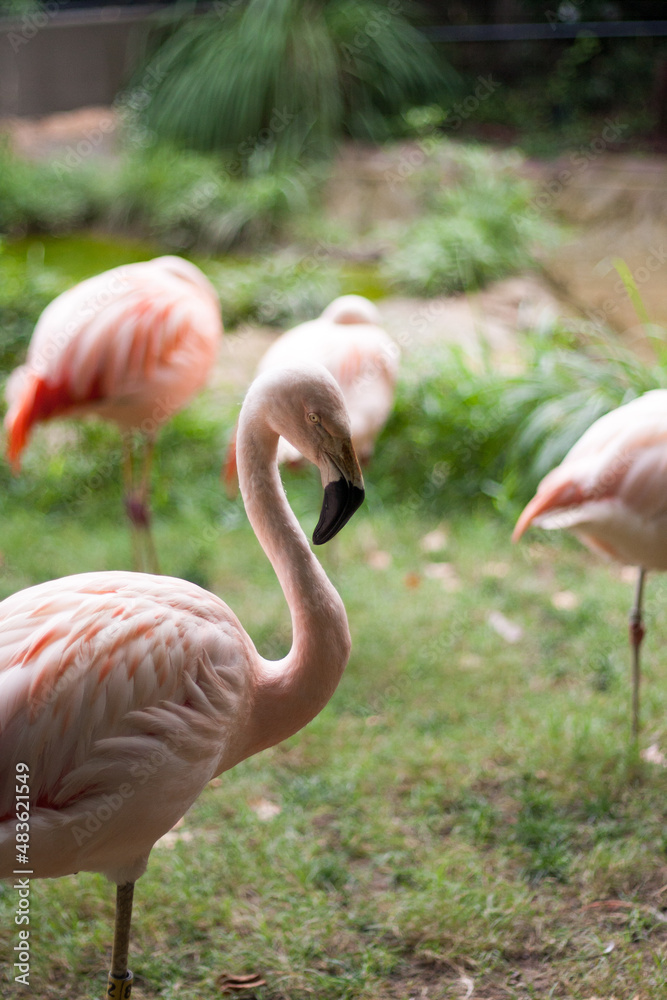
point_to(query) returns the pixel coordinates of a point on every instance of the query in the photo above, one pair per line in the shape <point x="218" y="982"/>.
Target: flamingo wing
<point x="103" y="679"/>
<point x="131" y="344"/>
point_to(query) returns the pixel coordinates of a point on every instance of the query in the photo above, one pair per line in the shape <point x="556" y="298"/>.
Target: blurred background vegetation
<point x="229" y="129"/>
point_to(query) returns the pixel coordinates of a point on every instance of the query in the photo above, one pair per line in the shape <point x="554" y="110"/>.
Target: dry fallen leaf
<point x="468" y="985"/>
<point x="236" y="984"/>
<point x="264" y="809"/>
<point x="379" y="559"/>
<point x="170" y="839"/>
<point x="565" y="600"/>
<point x="506" y="629"/>
<point x="435" y="541"/>
<point x="654" y="755"/>
<point x="445" y="573"/>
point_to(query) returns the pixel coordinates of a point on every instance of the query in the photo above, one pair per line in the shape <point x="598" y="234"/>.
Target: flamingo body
<point x="125" y="693"/>
<point x="611" y="491"/>
<point x="611" y="487"/>
<point x="349" y="341"/>
<point x="115" y="681"/>
<point x="131" y="345"/>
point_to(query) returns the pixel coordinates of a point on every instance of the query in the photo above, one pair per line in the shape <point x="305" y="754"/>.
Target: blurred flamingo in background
<point x="131" y="345"/>
<point x="349" y="341"/>
<point x="123" y="694"/>
<point x="611" y="491"/>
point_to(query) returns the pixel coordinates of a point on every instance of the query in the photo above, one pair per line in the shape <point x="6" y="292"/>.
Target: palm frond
<point x="286" y="78"/>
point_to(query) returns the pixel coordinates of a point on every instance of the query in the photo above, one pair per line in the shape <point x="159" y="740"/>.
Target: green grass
<point x="464" y="806"/>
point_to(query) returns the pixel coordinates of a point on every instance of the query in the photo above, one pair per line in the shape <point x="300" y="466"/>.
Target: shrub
<point x="182" y="199"/>
<point x="278" y="79"/>
<point x="461" y="434"/>
<point x="39" y="196"/>
<point x="24" y="292"/>
<point x="477" y="224"/>
<point x="188" y="199"/>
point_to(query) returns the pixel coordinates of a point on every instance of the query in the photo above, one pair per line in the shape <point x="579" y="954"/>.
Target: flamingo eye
<point x="314" y="418"/>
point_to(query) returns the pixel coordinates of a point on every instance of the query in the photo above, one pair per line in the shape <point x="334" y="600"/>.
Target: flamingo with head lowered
<point x="131" y="345"/>
<point x="611" y="491"/>
<point x="350" y="342"/>
<point x="104" y="674"/>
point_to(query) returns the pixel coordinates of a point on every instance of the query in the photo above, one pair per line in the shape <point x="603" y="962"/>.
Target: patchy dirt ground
<point x="617" y="208"/>
<point x="56" y="135"/>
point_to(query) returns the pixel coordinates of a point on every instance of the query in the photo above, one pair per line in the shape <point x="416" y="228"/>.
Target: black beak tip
<point x="341" y="500"/>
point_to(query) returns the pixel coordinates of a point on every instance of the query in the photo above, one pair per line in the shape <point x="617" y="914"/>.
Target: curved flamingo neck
<point x="291" y="691"/>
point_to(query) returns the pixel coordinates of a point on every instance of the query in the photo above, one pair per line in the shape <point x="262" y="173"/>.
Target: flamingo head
<point x="352" y="309"/>
<point x="305" y="406"/>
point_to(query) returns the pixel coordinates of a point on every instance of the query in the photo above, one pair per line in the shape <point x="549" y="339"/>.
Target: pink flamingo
<point x="131" y="345"/>
<point x="349" y="341"/>
<point x="611" y="491"/>
<point x="122" y="694"/>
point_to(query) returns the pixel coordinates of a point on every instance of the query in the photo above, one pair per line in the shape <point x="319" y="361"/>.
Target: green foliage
<point x="17" y="8"/>
<point x="187" y="199"/>
<point x="447" y="435"/>
<point x="566" y="387"/>
<point x="476" y="224"/>
<point x="42" y="195"/>
<point x="566" y="91"/>
<point x="462" y="431"/>
<point x="543" y="832"/>
<point x="181" y="199"/>
<point x="24" y="292"/>
<point x="279" y="79"/>
<point x="277" y="290"/>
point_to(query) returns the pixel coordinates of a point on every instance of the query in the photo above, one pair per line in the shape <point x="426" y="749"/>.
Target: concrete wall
<point x="59" y="60"/>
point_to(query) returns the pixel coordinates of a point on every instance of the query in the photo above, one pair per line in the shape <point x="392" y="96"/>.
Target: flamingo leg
<point x="137" y="490"/>
<point x="128" y="490"/>
<point x="637" y="632"/>
<point x="150" y="552"/>
<point x="119" y="984"/>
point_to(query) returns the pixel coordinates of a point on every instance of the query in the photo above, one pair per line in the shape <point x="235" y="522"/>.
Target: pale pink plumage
<point x="131" y="345"/>
<point x="99" y="672"/>
<point x="126" y="693"/>
<point x="349" y="341"/>
<point x="611" y="491"/>
<point x="611" y="487"/>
